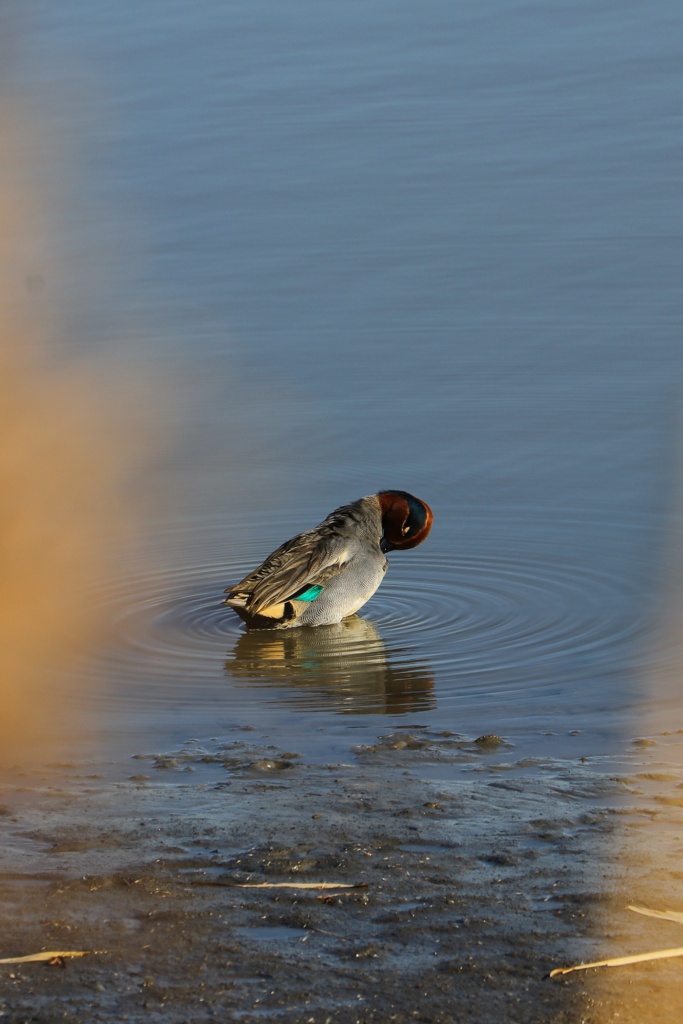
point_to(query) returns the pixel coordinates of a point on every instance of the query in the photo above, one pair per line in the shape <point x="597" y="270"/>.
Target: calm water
<point x="368" y="246"/>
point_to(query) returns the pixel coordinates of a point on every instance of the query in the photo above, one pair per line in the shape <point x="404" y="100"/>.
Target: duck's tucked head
<point x="406" y="520"/>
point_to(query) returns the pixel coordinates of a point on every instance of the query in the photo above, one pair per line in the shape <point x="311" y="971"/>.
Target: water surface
<point x="374" y="247"/>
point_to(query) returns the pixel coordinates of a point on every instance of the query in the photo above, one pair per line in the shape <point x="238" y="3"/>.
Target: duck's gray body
<point x="319" y="577"/>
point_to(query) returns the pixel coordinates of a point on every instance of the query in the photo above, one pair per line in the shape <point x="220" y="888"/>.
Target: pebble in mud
<point x="430" y="746"/>
<point x="266" y="764"/>
<point x="234" y="757"/>
<point x="489" y="742"/>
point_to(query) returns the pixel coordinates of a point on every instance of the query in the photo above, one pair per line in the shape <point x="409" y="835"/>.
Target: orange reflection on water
<point x="645" y="866"/>
<point x="69" y="449"/>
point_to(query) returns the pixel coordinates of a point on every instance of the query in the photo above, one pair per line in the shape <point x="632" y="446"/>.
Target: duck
<point x="325" y="574"/>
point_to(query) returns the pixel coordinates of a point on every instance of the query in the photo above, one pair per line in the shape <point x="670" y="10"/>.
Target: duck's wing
<point x="305" y="561"/>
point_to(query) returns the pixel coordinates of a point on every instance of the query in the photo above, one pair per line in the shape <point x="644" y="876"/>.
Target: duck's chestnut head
<point x="406" y="520"/>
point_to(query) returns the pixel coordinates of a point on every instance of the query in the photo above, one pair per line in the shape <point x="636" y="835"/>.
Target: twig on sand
<point x="620" y="961"/>
<point x="49" y="956"/>
<point x="636" y="958"/>
<point x="665" y="915"/>
<point x="282" y="885"/>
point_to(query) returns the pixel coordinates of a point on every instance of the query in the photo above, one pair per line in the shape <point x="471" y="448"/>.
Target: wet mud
<point x="460" y="874"/>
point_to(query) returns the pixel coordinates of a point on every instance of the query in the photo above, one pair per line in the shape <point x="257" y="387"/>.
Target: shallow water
<point x="479" y="635"/>
<point x="363" y="248"/>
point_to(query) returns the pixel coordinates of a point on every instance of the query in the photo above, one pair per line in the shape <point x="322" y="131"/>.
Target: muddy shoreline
<point x="465" y="892"/>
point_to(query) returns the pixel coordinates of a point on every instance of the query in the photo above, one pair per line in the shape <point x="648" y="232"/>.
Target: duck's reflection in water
<point x="341" y="668"/>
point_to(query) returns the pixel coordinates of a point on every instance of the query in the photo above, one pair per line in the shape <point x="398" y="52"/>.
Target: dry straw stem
<point x="665" y="915"/>
<point x="621" y="961"/>
<point x="50" y="955"/>
<point x="295" y="885"/>
<point x="636" y="958"/>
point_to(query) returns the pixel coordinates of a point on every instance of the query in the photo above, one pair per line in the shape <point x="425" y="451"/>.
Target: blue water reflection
<point x="380" y="246"/>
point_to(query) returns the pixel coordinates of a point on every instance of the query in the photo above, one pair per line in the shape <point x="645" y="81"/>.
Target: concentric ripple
<point x="496" y="614"/>
<point x="517" y="626"/>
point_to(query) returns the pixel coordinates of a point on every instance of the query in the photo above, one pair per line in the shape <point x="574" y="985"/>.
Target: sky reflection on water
<point x="369" y="248"/>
